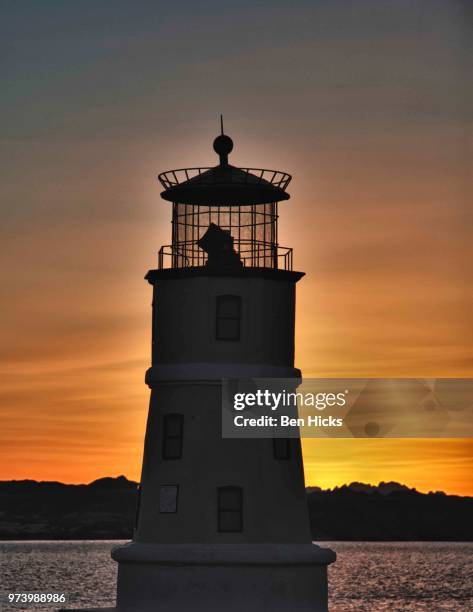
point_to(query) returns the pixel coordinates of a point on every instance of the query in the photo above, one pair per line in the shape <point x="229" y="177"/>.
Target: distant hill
<point x="105" y="509"/>
<point x="389" y="512"/>
<point x="102" y="509"/>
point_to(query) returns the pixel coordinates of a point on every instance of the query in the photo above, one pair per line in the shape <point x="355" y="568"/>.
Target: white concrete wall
<point x="275" y="508"/>
<point x="184" y="311"/>
<point x="274" y="501"/>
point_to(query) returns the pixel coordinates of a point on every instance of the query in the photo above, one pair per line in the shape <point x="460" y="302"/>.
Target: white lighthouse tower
<point x="222" y="524"/>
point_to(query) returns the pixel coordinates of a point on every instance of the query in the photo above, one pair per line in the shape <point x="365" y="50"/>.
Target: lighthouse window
<point x="173" y="427"/>
<point x="281" y="448"/>
<point x="168" y="498"/>
<point x="230" y="509"/>
<point x="228" y="317"/>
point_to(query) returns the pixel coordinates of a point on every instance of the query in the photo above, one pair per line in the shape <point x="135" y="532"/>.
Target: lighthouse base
<point x="234" y="578"/>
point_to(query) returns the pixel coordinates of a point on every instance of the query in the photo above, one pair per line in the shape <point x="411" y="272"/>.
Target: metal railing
<point x="253" y="254"/>
<point x="171" y="178"/>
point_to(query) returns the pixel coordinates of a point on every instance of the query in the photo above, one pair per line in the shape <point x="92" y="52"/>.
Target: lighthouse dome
<point x="224" y="184"/>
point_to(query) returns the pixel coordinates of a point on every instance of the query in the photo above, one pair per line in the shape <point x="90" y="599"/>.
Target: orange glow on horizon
<point x="74" y="400"/>
<point x="369" y="110"/>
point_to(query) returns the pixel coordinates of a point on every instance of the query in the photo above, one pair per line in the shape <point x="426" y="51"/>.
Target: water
<point x="371" y="577"/>
<point x="401" y="576"/>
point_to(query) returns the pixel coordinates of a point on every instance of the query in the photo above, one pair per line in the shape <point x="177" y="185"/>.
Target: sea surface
<point x="367" y="576"/>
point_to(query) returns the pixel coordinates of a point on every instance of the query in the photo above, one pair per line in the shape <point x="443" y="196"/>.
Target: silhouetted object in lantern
<point x="218" y="244"/>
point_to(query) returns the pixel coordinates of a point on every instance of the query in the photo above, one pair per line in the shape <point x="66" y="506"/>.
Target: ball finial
<point x="223" y="145"/>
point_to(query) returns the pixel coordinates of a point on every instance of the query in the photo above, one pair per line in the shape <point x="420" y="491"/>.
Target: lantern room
<point x="225" y="216"/>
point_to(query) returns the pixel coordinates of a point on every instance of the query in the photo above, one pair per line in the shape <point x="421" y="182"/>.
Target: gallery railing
<point x="252" y="255"/>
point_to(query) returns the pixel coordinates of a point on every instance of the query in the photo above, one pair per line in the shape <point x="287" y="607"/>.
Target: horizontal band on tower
<point x="271" y="273"/>
<point x="223" y="554"/>
<point x="214" y="372"/>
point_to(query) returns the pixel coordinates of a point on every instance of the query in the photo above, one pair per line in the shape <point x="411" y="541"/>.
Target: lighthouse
<point x="221" y="524"/>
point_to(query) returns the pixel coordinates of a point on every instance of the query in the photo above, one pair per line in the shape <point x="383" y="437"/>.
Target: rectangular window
<point x="168" y="499"/>
<point x="173" y="428"/>
<point x="228" y="317"/>
<point x="281" y="448"/>
<point x="230" y="509"/>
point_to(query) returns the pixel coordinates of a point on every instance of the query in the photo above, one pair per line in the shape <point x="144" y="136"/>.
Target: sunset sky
<point x="368" y="105"/>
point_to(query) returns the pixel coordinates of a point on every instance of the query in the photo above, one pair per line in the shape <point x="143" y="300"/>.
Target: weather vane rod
<point x="221" y="124"/>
